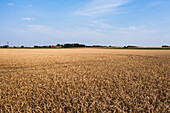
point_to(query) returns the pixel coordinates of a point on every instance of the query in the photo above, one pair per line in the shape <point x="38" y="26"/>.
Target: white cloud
<point x="130" y="28"/>
<point x="135" y="29"/>
<point x="27" y="19"/>
<point x="100" y="24"/>
<point x="100" y="7"/>
<point x="41" y="28"/>
<point x="10" y="4"/>
<point x="44" y="35"/>
<point x="67" y="35"/>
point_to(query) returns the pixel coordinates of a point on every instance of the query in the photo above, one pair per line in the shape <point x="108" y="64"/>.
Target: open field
<point x="84" y="80"/>
<point x="141" y="48"/>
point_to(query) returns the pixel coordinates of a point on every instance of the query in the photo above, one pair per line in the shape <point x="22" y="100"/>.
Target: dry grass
<point x="84" y="80"/>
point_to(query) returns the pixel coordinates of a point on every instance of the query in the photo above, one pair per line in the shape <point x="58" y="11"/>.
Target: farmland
<point x="84" y="80"/>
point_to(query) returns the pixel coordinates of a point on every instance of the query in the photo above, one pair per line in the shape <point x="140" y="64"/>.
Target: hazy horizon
<point x="105" y="22"/>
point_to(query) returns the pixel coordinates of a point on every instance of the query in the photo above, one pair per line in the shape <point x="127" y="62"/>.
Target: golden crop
<point x="84" y="80"/>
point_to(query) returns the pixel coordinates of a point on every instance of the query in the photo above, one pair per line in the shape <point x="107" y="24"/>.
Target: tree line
<point x="74" y="45"/>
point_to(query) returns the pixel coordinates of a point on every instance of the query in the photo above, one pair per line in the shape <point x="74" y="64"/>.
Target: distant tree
<point x="22" y="46"/>
<point x="68" y="45"/>
<point x="5" y="46"/>
<point x="131" y="46"/>
<point x="165" y="46"/>
<point x="45" y="47"/>
<point x="35" y="46"/>
<point x="81" y="45"/>
<point x="76" y="45"/>
<point x="96" y="46"/>
<point x="58" y="45"/>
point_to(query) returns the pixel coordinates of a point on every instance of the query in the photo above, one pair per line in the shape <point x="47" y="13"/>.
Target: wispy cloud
<point x="100" y="24"/>
<point x="100" y="7"/>
<point x="27" y="19"/>
<point x="66" y="35"/>
<point x="130" y="28"/>
<point x="10" y="4"/>
<point x="135" y="29"/>
<point x="41" y="28"/>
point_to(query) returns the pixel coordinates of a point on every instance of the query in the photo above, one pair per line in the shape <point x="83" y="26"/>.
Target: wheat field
<point x="84" y="80"/>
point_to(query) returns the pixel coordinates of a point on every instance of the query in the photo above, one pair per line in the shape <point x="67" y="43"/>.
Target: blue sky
<point x="105" y="22"/>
